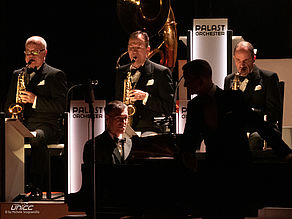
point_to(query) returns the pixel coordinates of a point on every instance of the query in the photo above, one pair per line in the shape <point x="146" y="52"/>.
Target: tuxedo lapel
<point x="146" y="75"/>
<point x="117" y="156"/>
<point x="39" y="76"/>
<point x="253" y="81"/>
<point x="110" y="148"/>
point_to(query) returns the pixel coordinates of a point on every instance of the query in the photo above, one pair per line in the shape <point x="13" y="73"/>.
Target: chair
<point x="280" y="122"/>
<point x="54" y="150"/>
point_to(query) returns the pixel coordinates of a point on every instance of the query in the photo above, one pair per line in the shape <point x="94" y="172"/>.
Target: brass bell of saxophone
<point x="236" y="82"/>
<point x="16" y="109"/>
<point x="126" y="94"/>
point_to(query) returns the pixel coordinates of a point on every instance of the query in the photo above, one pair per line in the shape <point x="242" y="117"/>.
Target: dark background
<point x="85" y="38"/>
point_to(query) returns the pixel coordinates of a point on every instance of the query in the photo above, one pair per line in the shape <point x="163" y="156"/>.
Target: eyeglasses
<point x="33" y="52"/>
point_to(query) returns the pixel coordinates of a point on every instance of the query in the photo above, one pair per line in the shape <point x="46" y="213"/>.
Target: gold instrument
<point x="126" y="93"/>
<point x="236" y="82"/>
<point x="168" y="48"/>
<point x="16" y="109"/>
<point x="154" y="17"/>
<point x="146" y="15"/>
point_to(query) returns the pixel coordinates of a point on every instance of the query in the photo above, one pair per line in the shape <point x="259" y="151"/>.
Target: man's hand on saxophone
<point x="136" y="94"/>
<point x="27" y="97"/>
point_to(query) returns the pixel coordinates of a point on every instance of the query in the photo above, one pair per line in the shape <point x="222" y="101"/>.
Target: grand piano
<point x="154" y="180"/>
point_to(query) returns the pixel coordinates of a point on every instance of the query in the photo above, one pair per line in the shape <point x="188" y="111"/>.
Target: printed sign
<point x="79" y="132"/>
<point x="209" y="42"/>
<point x="181" y="115"/>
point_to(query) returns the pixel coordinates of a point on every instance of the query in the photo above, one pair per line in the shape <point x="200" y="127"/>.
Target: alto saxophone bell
<point x="16" y="109"/>
<point x="131" y="110"/>
<point x="236" y="82"/>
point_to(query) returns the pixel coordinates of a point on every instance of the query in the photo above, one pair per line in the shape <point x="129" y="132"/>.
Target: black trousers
<point x="39" y="160"/>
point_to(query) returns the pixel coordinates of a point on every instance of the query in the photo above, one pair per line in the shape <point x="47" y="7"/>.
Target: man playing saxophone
<point x="152" y="85"/>
<point x="260" y="88"/>
<point x="44" y="102"/>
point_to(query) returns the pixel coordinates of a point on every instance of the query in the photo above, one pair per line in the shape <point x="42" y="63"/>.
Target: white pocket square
<point x="41" y="83"/>
<point x="258" y="87"/>
<point x="150" y="82"/>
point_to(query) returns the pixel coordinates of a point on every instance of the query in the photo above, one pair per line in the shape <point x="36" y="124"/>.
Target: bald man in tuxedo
<point x="44" y="104"/>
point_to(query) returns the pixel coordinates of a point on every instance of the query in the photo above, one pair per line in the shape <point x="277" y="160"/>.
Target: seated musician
<point x="151" y="90"/>
<point x="260" y="89"/>
<point x="110" y="149"/>
<point x="114" y="181"/>
<point x="221" y="118"/>
<point x="43" y="100"/>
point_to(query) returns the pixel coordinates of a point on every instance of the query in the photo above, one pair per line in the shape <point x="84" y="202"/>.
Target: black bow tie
<point x="117" y="140"/>
<point x="134" y="70"/>
<point x="31" y="70"/>
<point x="242" y="78"/>
<point x="249" y="76"/>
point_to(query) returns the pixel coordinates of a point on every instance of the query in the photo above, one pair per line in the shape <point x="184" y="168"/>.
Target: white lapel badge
<point x="150" y="82"/>
<point x="258" y="87"/>
<point x="41" y="83"/>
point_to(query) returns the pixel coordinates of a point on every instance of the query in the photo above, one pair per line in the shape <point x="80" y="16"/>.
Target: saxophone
<point x="127" y="89"/>
<point x="236" y="82"/>
<point x="16" y="109"/>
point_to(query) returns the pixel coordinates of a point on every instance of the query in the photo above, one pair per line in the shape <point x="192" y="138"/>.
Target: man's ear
<point x="148" y="50"/>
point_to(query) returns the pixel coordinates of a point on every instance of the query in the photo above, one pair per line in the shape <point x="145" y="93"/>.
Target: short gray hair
<point x="36" y="40"/>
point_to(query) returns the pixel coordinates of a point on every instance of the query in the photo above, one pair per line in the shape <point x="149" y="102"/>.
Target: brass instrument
<point x="126" y="93"/>
<point x="154" y="17"/>
<point x="146" y="15"/>
<point x="168" y="48"/>
<point x="236" y="82"/>
<point x="16" y="109"/>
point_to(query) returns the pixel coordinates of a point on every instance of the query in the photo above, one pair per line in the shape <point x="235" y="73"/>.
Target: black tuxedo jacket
<point x="105" y="149"/>
<point x="106" y="156"/>
<point x="157" y="81"/>
<point x="262" y="93"/>
<point x="50" y="86"/>
<point x="226" y="141"/>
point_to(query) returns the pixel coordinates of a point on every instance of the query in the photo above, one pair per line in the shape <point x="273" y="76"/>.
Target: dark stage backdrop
<point x="85" y="37"/>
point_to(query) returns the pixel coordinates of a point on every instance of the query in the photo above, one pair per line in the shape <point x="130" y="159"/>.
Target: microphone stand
<point x="174" y="104"/>
<point x="89" y="98"/>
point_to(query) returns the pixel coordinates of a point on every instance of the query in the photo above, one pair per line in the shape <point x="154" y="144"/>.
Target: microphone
<point x="175" y="94"/>
<point x="90" y="91"/>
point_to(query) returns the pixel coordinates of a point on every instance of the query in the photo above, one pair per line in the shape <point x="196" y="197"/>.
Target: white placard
<point x="209" y="42"/>
<point x="181" y="115"/>
<point x="79" y="131"/>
